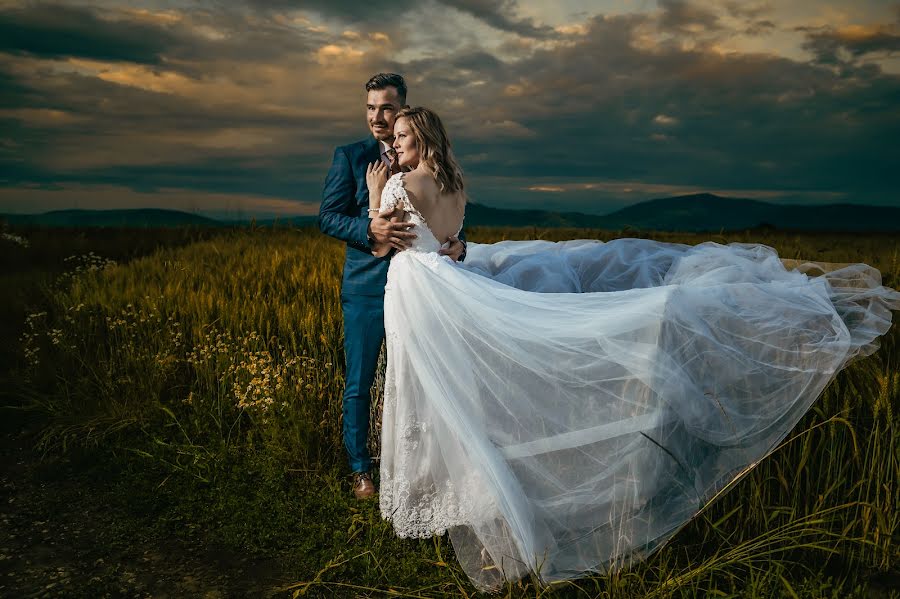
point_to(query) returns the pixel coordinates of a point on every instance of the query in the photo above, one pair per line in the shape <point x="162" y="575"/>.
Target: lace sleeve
<point x="393" y="194"/>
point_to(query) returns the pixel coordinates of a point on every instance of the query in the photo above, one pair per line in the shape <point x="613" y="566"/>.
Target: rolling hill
<point x="702" y="212"/>
<point x="708" y="212"/>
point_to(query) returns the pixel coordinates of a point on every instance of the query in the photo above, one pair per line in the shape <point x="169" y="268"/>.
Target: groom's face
<point x="382" y="106"/>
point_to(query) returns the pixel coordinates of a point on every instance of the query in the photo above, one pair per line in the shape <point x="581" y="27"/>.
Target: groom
<point x="343" y="214"/>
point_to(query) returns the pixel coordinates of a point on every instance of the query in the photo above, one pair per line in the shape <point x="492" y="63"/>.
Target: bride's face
<point x="405" y="144"/>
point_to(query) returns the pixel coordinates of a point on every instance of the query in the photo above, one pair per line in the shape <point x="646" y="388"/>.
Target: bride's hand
<point x="376" y="178"/>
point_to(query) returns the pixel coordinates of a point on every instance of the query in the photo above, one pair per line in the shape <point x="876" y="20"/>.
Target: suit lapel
<point x="373" y="151"/>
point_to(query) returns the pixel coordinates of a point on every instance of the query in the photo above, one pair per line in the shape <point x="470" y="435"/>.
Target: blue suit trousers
<point x="363" y="335"/>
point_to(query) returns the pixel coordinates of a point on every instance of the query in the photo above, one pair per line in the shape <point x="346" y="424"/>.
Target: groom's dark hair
<point x="383" y="80"/>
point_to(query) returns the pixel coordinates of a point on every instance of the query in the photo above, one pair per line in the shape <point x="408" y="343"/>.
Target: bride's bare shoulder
<point x="419" y="183"/>
<point x="423" y="185"/>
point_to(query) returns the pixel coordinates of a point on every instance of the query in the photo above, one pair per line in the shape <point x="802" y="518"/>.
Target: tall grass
<point x="232" y="345"/>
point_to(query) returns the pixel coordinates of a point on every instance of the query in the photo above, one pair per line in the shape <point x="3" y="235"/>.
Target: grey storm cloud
<point x="683" y="16"/>
<point x="826" y="43"/>
<point x="57" y="31"/>
<point x="60" y="31"/>
<point x="760" y="27"/>
<point x="349" y="11"/>
<point x="499" y="14"/>
<point x="746" y="9"/>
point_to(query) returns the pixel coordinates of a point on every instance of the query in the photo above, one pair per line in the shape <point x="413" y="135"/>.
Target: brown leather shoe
<point x="363" y="487"/>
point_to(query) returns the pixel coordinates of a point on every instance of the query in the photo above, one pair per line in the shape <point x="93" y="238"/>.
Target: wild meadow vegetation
<point x="200" y="373"/>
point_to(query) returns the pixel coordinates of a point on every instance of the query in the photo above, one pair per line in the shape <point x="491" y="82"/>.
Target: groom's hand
<point x="388" y="229"/>
<point x="454" y="250"/>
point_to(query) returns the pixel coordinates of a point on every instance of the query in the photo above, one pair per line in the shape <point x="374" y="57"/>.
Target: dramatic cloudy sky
<point x="234" y="108"/>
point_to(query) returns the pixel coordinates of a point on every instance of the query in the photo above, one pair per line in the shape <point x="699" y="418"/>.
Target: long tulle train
<point x="563" y="408"/>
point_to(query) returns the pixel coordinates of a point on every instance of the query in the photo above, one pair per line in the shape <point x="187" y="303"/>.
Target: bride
<point x="564" y="408"/>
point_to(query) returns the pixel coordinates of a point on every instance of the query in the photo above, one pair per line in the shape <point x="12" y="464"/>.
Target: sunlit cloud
<point x="335" y="55"/>
<point x="161" y="17"/>
<point x="663" y="190"/>
<point x="665" y="120"/>
<point x="547" y="188"/>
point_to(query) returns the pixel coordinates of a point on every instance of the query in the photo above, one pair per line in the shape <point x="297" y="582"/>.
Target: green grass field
<point x="196" y="376"/>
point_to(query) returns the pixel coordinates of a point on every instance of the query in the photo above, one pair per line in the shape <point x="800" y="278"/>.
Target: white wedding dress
<point x="564" y="408"/>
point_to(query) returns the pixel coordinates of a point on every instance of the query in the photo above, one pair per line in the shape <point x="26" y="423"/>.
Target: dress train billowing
<point x="564" y="408"/>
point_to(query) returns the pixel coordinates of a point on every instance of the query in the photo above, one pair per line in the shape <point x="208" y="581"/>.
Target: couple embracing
<point x="562" y="408"/>
<point x="350" y="212"/>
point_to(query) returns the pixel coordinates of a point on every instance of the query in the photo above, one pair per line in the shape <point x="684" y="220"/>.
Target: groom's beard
<point x="387" y="138"/>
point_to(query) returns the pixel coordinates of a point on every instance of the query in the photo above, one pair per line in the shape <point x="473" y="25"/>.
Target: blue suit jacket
<point x="344" y="215"/>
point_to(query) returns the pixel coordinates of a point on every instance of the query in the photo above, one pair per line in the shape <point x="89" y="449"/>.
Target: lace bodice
<point x="393" y="195"/>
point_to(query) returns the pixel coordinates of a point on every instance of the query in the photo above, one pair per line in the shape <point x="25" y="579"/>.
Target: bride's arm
<point x="376" y="178"/>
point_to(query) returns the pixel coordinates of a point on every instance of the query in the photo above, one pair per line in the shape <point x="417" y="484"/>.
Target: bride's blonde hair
<point x="434" y="147"/>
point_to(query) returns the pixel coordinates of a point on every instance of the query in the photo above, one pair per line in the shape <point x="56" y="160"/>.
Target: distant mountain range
<point x="697" y="212"/>
<point x="708" y="212"/>
<point x="702" y="212"/>
<point x="142" y="217"/>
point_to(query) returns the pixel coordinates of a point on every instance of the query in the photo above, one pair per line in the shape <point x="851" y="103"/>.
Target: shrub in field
<point x="198" y="347"/>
